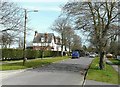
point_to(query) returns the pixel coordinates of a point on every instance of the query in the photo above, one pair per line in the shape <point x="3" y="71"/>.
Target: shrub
<point x="52" y="53"/>
<point x="55" y="53"/>
<point x="12" y="54"/>
<point x="17" y="54"/>
<point x="30" y="54"/>
<point x="47" y="53"/>
<point x="39" y="54"/>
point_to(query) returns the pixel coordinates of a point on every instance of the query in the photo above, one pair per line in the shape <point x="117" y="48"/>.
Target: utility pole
<point x="25" y="23"/>
<point x="24" y="48"/>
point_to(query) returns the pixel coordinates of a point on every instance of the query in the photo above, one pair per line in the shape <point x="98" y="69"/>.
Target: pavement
<point x="92" y="82"/>
<point x="116" y="67"/>
<point x="8" y="74"/>
<point x="5" y="74"/>
<point x="67" y="72"/>
<point x="6" y="62"/>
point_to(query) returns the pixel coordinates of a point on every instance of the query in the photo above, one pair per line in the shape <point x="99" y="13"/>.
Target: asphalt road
<point x="68" y="72"/>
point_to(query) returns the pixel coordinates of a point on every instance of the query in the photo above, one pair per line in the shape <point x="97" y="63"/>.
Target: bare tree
<point x="76" y="43"/>
<point x="113" y="42"/>
<point x="60" y="26"/>
<point x="20" y="42"/>
<point x="11" y="20"/>
<point x="6" y="40"/>
<point x="10" y="17"/>
<point x="69" y="35"/>
<point x="95" y="18"/>
<point x="84" y="47"/>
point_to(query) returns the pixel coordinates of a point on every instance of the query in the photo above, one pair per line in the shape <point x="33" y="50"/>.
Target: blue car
<point x="75" y="54"/>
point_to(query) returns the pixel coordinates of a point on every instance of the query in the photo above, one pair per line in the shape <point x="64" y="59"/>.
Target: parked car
<point x="92" y="55"/>
<point x="75" y="54"/>
<point x="109" y="55"/>
<point x="118" y="57"/>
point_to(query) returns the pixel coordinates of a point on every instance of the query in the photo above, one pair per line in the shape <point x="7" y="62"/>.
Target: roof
<point x="58" y="40"/>
<point x="46" y="36"/>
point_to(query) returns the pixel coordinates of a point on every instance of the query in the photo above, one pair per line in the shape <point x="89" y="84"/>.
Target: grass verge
<point x="108" y="75"/>
<point x="115" y="61"/>
<point x="31" y="64"/>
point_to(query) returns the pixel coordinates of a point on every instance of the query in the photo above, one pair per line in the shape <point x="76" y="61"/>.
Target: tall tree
<point x="76" y="42"/>
<point x="6" y="40"/>
<point x="69" y="35"/>
<point x="60" y="26"/>
<point x="10" y="17"/>
<point x="95" y="18"/>
<point x="11" y="20"/>
<point x="84" y="47"/>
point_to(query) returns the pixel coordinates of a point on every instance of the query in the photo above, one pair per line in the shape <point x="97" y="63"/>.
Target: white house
<point x="47" y="41"/>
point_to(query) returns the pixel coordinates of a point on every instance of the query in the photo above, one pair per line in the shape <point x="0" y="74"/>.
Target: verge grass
<point x="115" y="61"/>
<point x="108" y="75"/>
<point x="31" y="64"/>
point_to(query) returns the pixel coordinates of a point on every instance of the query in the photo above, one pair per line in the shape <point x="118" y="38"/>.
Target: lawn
<point x="31" y="64"/>
<point x="108" y="75"/>
<point x="115" y="61"/>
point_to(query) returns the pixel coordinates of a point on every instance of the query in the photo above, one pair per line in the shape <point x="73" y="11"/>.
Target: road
<point x="67" y="72"/>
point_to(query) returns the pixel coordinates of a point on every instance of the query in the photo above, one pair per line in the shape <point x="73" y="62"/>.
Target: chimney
<point x="46" y="37"/>
<point x="36" y="33"/>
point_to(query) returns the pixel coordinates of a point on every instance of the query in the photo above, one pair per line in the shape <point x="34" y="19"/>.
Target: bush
<point x="30" y="54"/>
<point x="11" y="54"/>
<point x="52" y="53"/>
<point x="17" y="54"/>
<point x="39" y="54"/>
<point x="55" y="53"/>
<point x="47" y="53"/>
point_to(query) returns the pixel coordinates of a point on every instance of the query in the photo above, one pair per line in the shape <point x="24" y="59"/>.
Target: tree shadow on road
<point x="61" y="67"/>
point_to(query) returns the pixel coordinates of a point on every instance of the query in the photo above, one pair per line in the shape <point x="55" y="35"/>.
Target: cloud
<point x="46" y="1"/>
<point x="43" y="8"/>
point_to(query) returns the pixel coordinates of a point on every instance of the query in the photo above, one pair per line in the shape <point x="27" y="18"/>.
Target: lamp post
<point x="25" y="22"/>
<point x="42" y="41"/>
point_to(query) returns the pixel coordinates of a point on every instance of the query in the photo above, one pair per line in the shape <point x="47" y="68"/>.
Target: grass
<point x="31" y="64"/>
<point x="108" y="75"/>
<point x="115" y="61"/>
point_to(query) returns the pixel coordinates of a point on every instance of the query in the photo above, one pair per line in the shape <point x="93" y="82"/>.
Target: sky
<point x="41" y="21"/>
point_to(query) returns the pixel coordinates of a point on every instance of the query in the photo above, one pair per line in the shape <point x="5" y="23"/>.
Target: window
<point x="42" y="39"/>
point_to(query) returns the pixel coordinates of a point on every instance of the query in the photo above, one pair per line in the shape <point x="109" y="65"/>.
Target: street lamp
<point x="42" y="44"/>
<point x="25" y="22"/>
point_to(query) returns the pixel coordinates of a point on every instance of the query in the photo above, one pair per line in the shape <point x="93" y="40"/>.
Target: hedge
<point x="17" y="54"/>
<point x="30" y="54"/>
<point x="8" y="54"/>
<point x="52" y="53"/>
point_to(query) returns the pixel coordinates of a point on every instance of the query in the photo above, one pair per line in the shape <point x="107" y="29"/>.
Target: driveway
<point x="68" y="72"/>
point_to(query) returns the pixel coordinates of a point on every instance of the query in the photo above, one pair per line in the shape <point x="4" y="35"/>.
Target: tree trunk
<point x="23" y="62"/>
<point x="62" y="45"/>
<point x="101" y="62"/>
<point x="9" y="45"/>
<point x="69" y="48"/>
